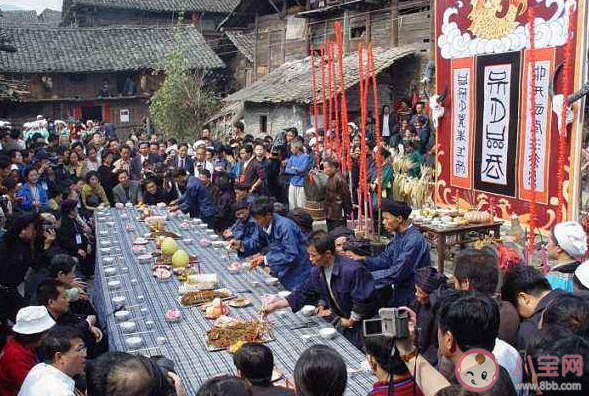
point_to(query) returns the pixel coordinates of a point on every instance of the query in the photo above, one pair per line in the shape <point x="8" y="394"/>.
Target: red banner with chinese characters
<point x="484" y="137"/>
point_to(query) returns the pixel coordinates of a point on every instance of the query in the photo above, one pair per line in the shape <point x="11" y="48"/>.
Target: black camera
<point x="393" y="322"/>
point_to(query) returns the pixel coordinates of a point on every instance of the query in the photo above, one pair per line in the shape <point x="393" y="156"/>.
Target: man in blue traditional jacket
<point x="286" y="257"/>
<point x="342" y="285"/>
<point x="245" y="235"/>
<point x="394" y="269"/>
<point x="196" y="200"/>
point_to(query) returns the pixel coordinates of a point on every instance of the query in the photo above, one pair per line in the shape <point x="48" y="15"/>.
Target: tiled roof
<point x="50" y="16"/>
<point x="220" y="6"/>
<point x="23" y="16"/>
<point x="291" y="82"/>
<point x="77" y="50"/>
<point x="243" y="42"/>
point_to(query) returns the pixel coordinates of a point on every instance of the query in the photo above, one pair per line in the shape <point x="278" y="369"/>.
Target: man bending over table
<point x="286" y="257"/>
<point x="343" y="286"/>
<point x="244" y="235"/>
<point x="394" y="269"/>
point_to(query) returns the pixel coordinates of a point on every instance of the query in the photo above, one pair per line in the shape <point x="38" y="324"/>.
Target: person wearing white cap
<point x="18" y="356"/>
<point x="581" y="280"/>
<point x="567" y="246"/>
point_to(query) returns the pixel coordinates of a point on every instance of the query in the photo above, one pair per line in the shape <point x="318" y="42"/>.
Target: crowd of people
<point x="250" y="190"/>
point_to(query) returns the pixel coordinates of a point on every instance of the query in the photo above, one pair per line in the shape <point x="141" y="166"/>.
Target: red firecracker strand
<point x="347" y="164"/>
<point x="532" y="86"/>
<point x="377" y="120"/>
<point x="315" y="109"/>
<point x="329" y="98"/>
<point x="562" y="139"/>
<point x="362" y="159"/>
<point x="336" y="139"/>
<point x="323" y="99"/>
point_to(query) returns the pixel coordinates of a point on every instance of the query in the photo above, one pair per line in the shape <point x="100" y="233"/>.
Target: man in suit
<point x="127" y="190"/>
<point x="251" y="170"/>
<point x="182" y="160"/>
<point x="387" y="123"/>
<point x="153" y="155"/>
<point x="137" y="161"/>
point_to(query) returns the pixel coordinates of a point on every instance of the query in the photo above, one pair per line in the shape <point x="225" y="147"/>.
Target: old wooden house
<point x="205" y="14"/>
<point x="106" y="74"/>
<point x="47" y="18"/>
<point x="285" y="31"/>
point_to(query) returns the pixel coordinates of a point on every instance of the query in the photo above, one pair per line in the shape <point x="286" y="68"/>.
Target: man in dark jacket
<point x="197" y="200"/>
<point x="343" y="286"/>
<point x="394" y="269"/>
<point x="530" y="292"/>
<point x="245" y="236"/>
<point x="338" y="199"/>
<point x="287" y="257"/>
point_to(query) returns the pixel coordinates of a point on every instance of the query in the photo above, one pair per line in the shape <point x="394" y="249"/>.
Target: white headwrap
<point x="571" y="237"/>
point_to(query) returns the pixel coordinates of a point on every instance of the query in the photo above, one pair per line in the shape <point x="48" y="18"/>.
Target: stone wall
<point x="278" y="117"/>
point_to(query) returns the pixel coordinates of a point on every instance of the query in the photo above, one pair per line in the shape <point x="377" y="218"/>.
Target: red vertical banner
<point x="544" y="63"/>
<point x="462" y="122"/>
<point x="323" y="98"/>
<point x="346" y="157"/>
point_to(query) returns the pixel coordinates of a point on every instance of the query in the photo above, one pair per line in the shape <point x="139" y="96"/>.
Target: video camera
<point x="393" y="322"/>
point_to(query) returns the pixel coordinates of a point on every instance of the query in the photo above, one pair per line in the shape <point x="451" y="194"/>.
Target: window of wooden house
<point x="263" y="124"/>
<point x="357" y="28"/>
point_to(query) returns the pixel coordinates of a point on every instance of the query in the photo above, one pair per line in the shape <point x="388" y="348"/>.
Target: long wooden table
<point x="148" y="300"/>
<point x="441" y="237"/>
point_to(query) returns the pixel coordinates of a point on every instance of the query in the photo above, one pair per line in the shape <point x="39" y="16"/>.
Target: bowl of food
<point x="129" y="227"/>
<point x="162" y="272"/>
<point x="122" y="316"/>
<point x="240" y="302"/>
<point x="173" y="315"/>
<point x="308" y="310"/>
<point x="140" y="241"/>
<point x="188" y="241"/>
<point x="145" y="259"/>
<point x="215" y="238"/>
<point x="110" y="271"/>
<point x="119" y="302"/>
<point x="138" y="250"/>
<point x="134" y="342"/>
<point x="234" y="268"/>
<point x="204" y="242"/>
<point x="105" y="243"/>
<point x="328" y="333"/>
<point x="271" y="281"/>
<point x="108" y="260"/>
<point x="106" y="250"/>
<point x="113" y="285"/>
<point x="128" y="327"/>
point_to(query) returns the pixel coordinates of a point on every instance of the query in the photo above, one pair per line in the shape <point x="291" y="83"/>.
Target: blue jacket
<point x="250" y="234"/>
<point x="301" y="164"/>
<point x="27" y="204"/>
<point x="197" y="200"/>
<point x="405" y="253"/>
<point x="287" y="254"/>
<point x="353" y="289"/>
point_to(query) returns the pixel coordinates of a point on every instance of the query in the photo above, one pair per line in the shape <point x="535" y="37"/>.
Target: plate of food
<point x="222" y="338"/>
<point x="199" y="297"/>
<point x="162" y="272"/>
<point x="240" y="302"/>
<point x="140" y="241"/>
<point x="163" y="233"/>
<point x="203" y="281"/>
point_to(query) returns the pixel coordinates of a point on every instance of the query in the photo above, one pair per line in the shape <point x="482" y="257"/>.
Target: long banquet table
<point x="148" y="300"/>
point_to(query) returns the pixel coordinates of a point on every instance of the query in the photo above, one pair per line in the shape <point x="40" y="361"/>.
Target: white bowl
<point x="188" y="241"/>
<point x="128" y="327"/>
<point x="134" y="342"/>
<point x="145" y="258"/>
<point x="283" y="294"/>
<point x="328" y="333"/>
<point x="271" y="281"/>
<point x="122" y="316"/>
<point x="112" y="285"/>
<point x="214" y="237"/>
<point x="110" y="271"/>
<point x="203" y="226"/>
<point x="108" y="260"/>
<point x="105" y="243"/>
<point x="105" y="250"/>
<point x="128" y="205"/>
<point x="308" y="310"/>
<point x="104" y="233"/>
<point x="119" y="302"/>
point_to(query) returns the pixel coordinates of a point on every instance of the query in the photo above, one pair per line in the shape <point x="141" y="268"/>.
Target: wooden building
<point x="205" y="14"/>
<point x="47" y="18"/>
<point x="106" y="74"/>
<point x="284" y="30"/>
<point x="283" y="33"/>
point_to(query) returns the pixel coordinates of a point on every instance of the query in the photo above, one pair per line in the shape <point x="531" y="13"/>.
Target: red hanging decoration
<point x="336" y="132"/>
<point x="562" y="139"/>
<point x="329" y="100"/>
<point x="347" y="164"/>
<point x="315" y="109"/>
<point x="377" y="120"/>
<point x="323" y="99"/>
<point x="532" y="88"/>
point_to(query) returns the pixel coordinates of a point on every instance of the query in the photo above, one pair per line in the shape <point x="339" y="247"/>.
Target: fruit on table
<point x="169" y="246"/>
<point x="478" y="217"/>
<point x="180" y="259"/>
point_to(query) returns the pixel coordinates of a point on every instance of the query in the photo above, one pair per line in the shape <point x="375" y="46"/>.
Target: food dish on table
<point x="240" y="302"/>
<point x="162" y="272"/>
<point x="219" y="338"/>
<point x="215" y="309"/>
<point x="173" y="315"/>
<point x="204" y="296"/>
